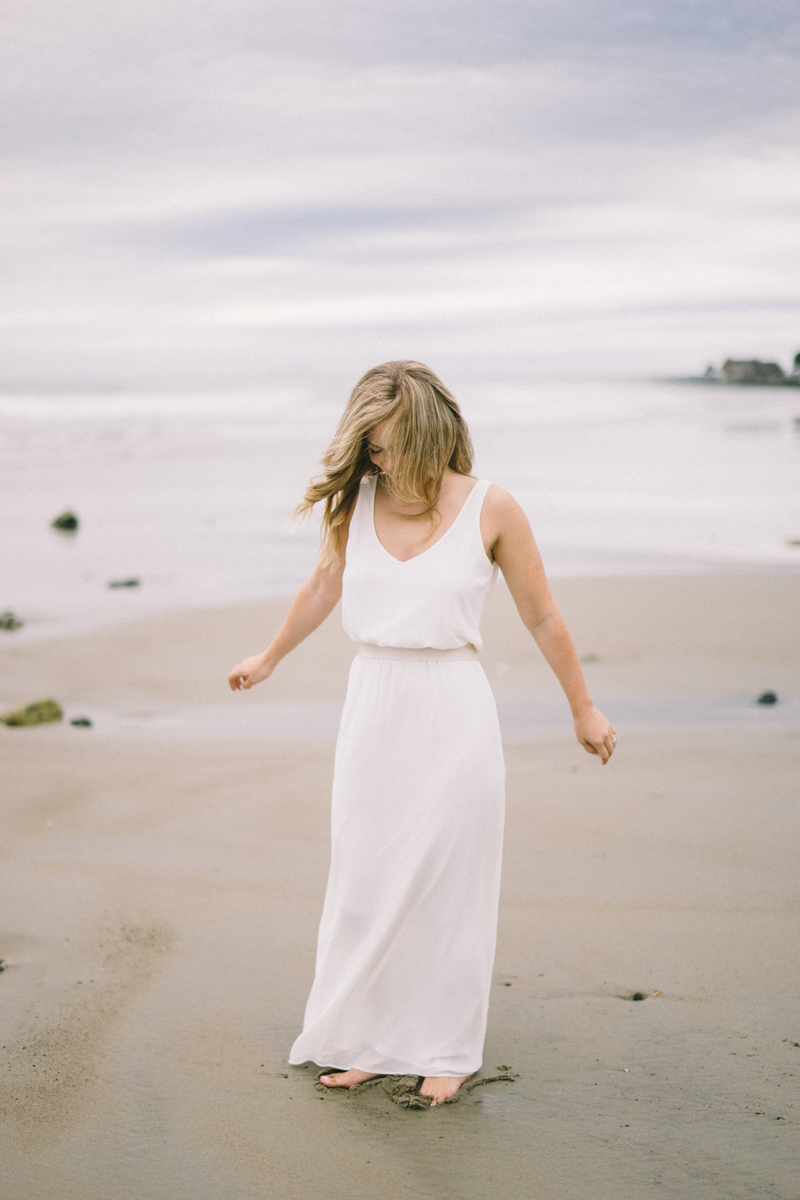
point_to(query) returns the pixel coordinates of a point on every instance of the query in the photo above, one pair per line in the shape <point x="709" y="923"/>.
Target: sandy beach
<point x="163" y="873"/>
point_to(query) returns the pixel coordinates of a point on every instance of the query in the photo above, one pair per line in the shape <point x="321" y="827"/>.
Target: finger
<point x="602" y="750"/>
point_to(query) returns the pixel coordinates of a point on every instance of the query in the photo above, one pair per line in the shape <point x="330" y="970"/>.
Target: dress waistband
<point x="426" y="654"/>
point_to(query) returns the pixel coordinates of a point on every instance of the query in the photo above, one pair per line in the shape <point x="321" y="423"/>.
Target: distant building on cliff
<point x="752" y="371"/>
<point x="749" y="372"/>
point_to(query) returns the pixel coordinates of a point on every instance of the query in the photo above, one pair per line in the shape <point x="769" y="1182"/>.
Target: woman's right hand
<point x="248" y="673"/>
<point x="315" y="601"/>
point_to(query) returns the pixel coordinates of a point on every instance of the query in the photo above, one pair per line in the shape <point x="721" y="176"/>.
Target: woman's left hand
<point x="596" y="734"/>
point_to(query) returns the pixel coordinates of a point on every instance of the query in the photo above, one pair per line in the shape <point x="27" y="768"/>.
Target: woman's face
<point x="378" y="444"/>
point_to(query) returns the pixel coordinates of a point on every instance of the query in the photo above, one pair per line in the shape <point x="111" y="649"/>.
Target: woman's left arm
<point x="508" y="533"/>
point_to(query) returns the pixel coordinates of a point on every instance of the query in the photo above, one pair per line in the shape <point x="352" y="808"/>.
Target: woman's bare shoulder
<point x="501" y="505"/>
<point x="502" y="520"/>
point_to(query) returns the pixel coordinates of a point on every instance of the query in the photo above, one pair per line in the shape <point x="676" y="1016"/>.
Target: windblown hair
<point x="428" y="434"/>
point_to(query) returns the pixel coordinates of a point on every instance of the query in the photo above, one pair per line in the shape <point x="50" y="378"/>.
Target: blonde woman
<point x="412" y="543"/>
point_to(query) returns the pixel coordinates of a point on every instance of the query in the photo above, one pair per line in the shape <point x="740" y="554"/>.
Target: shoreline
<point x="98" y="615"/>
<point x="714" y="638"/>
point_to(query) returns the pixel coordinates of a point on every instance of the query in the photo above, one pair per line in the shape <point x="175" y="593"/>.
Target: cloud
<point x="208" y="191"/>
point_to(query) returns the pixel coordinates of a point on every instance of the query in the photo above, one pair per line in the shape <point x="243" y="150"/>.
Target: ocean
<point x="191" y="494"/>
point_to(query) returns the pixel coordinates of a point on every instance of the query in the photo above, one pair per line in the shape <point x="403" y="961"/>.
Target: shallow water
<point x="522" y="718"/>
<point x="191" y="493"/>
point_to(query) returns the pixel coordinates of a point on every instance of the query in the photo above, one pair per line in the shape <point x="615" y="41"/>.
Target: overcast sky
<point x="240" y="192"/>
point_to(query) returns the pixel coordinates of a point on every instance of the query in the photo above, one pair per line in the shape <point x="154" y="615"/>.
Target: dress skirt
<point x="407" y="937"/>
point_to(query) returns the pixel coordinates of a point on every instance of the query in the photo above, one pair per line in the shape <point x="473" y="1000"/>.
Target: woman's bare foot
<point x="346" y="1079"/>
<point x="441" y="1087"/>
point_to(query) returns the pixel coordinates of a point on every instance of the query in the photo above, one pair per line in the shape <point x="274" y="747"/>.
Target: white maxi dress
<point x="407" y="937"/>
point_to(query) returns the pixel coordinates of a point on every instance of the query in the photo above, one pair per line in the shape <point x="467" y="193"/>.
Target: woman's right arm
<point x="314" y="602"/>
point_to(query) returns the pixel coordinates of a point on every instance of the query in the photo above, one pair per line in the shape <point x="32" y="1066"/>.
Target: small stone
<point x="639" y="996"/>
<point x="81" y="722"/>
<point x="9" y="621"/>
<point x="123" y="583"/>
<point x="38" y="713"/>
<point x="767" y="698"/>
<point x="66" y="521"/>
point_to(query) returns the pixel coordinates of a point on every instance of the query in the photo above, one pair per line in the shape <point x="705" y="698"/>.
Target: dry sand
<point x="162" y="879"/>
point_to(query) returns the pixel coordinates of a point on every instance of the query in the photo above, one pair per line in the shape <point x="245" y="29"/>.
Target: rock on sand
<point x="37" y="713"/>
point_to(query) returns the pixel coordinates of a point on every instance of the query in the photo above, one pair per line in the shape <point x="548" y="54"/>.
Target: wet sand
<point x="163" y="872"/>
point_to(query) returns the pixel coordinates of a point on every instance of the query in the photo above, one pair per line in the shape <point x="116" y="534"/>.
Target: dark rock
<point x="81" y="722"/>
<point x="2" y="966"/>
<point x="67" y="521"/>
<point x="9" y="621"/>
<point x="638" y="996"/>
<point x="767" y="698"/>
<point x="38" y="713"/>
<point x="122" y="583"/>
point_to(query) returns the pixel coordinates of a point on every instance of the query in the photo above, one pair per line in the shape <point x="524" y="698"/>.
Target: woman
<point x="412" y="543"/>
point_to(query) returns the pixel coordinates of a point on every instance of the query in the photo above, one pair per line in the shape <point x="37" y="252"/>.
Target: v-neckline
<point x="402" y="561"/>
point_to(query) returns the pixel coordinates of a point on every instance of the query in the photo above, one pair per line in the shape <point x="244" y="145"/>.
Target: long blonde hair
<point x="428" y="434"/>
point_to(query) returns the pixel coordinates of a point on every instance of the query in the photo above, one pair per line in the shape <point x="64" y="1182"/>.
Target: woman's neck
<point x="416" y="509"/>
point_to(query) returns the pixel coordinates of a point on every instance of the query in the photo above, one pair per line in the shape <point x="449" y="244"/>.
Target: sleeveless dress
<point x="407" y="937"/>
